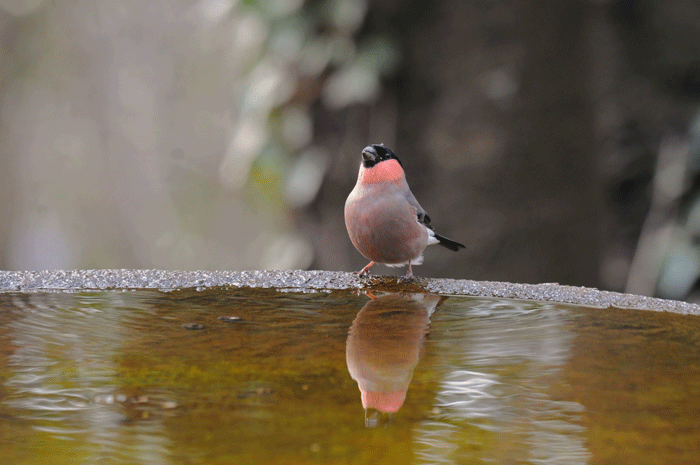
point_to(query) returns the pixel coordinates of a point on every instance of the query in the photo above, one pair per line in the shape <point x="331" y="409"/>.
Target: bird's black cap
<point x="375" y="153"/>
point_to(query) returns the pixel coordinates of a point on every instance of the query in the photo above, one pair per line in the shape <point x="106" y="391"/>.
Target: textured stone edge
<point x="86" y="280"/>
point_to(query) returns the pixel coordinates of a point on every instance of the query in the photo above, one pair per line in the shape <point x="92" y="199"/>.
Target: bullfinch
<point x="385" y="222"/>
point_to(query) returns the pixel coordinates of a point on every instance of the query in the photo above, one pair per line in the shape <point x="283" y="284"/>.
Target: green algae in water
<point x="261" y="376"/>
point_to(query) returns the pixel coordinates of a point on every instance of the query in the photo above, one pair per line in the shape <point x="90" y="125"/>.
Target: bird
<point x="385" y="222"/>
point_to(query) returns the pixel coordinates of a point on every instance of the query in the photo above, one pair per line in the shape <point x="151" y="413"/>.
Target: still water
<point x="247" y="376"/>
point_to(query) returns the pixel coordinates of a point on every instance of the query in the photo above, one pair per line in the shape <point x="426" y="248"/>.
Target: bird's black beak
<point x="369" y="154"/>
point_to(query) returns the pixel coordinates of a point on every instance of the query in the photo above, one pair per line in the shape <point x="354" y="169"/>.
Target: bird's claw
<point x="365" y="271"/>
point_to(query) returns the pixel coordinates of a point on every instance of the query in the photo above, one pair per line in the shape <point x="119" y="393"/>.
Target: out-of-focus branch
<point x="667" y="188"/>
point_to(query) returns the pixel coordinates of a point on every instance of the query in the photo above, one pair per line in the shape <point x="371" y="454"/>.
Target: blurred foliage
<point x="555" y="139"/>
<point x="676" y="242"/>
<point x="172" y="135"/>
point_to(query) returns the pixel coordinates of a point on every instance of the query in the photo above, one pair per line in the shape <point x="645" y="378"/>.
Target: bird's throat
<point x="385" y="171"/>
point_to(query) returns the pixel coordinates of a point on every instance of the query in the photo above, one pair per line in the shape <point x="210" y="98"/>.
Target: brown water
<point x="268" y="377"/>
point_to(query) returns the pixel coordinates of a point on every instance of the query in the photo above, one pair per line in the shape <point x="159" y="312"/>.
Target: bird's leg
<point x="365" y="270"/>
<point x="409" y="274"/>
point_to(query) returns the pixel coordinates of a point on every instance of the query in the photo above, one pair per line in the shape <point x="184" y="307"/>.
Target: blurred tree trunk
<point x="531" y="207"/>
<point x="554" y="166"/>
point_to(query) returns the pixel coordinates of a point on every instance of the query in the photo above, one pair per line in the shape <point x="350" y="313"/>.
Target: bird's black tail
<point x="449" y="243"/>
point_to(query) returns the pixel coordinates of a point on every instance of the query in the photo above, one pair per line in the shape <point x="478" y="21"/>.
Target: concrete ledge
<point x="86" y="280"/>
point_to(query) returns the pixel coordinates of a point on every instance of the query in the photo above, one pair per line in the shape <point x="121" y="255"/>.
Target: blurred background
<point x="560" y="141"/>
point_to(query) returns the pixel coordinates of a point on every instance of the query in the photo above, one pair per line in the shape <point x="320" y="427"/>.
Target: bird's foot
<point x="409" y="275"/>
<point x="365" y="271"/>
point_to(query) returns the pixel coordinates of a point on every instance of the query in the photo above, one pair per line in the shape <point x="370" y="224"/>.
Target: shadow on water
<point x="264" y="376"/>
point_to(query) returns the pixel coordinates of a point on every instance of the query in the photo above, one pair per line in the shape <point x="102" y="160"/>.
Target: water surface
<point x="262" y="376"/>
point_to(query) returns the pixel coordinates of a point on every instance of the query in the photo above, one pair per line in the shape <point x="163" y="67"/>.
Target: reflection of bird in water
<point x="384" y="345"/>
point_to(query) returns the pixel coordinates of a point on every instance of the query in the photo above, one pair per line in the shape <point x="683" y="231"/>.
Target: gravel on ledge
<point x="84" y="280"/>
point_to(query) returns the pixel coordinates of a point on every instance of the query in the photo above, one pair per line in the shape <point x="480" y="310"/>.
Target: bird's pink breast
<point x="382" y="224"/>
<point x="386" y="171"/>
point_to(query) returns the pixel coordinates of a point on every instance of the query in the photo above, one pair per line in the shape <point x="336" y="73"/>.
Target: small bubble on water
<point x="193" y="326"/>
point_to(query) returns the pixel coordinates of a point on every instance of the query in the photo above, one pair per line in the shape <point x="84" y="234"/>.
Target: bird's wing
<point x="423" y="217"/>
